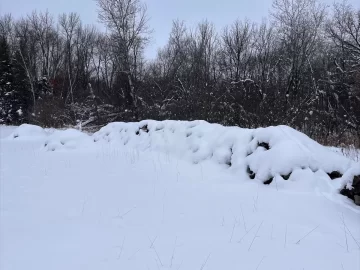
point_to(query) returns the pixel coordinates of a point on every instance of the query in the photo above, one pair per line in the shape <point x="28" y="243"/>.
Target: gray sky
<point x="161" y="12"/>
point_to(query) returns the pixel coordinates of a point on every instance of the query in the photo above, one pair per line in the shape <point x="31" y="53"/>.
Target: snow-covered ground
<point x="350" y="152"/>
<point x="173" y="195"/>
<point x="5" y="131"/>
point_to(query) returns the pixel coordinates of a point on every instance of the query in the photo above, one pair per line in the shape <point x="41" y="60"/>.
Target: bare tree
<point x="26" y="46"/>
<point x="343" y="82"/>
<point x="6" y="26"/>
<point x="127" y="22"/>
<point x="42" y="25"/>
<point x="236" y="41"/>
<point x="298" y="23"/>
<point x="69" y="25"/>
<point x="344" y="30"/>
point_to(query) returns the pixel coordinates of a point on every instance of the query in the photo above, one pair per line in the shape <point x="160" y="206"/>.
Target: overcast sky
<point x="161" y="12"/>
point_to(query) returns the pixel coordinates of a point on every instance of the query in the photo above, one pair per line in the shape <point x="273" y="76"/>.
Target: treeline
<point x="302" y="68"/>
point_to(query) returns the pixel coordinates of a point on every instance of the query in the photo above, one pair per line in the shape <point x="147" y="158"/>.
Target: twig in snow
<point x="285" y="237"/>
<point x="180" y="265"/>
<point x="157" y="255"/>
<point x="256" y="235"/>
<point x="254" y="204"/>
<point x="340" y="245"/>
<point x="260" y="263"/>
<point x="346" y="241"/>
<point x="298" y="242"/>
<point x="83" y="207"/>
<point x="163" y="212"/>
<point x="157" y="264"/>
<point x="172" y="256"/>
<point x="127" y="212"/>
<point x="232" y="233"/>
<point x="134" y="254"/>
<point x="204" y="264"/>
<point x="121" y="249"/>
<point x="357" y="243"/>
<point x="153" y="161"/>
<point x="256" y="201"/>
<point x="246" y="233"/>
<point x="242" y="214"/>
<point x="342" y="266"/>
<point x="152" y="242"/>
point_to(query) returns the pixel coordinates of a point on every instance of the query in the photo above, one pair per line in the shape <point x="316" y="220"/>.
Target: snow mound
<point x="278" y="156"/>
<point x="195" y="141"/>
<point x="267" y="155"/>
<point x="66" y="139"/>
<point x="281" y="150"/>
<point x="266" y="151"/>
<point x="26" y="132"/>
<point x="51" y="139"/>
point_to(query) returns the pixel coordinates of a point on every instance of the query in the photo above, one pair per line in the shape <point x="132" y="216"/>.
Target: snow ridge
<point x="267" y="155"/>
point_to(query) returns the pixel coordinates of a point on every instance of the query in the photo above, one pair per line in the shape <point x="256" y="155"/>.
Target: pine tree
<point x="14" y="94"/>
<point x="6" y="83"/>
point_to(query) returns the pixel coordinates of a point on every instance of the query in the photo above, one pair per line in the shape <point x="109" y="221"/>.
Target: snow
<point x="5" y="131"/>
<point x="350" y="152"/>
<point x="66" y="139"/>
<point x="198" y="141"/>
<point x="173" y="195"/>
<point x="29" y="132"/>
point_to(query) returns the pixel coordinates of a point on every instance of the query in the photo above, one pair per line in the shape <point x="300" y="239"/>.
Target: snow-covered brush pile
<point x="28" y="132"/>
<point x="52" y="139"/>
<point x="278" y="156"/>
<point x="66" y="139"/>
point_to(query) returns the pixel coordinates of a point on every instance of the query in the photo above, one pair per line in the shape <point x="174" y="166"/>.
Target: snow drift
<point x="278" y="156"/>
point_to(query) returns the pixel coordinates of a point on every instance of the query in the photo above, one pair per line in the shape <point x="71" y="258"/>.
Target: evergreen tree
<point x="14" y="93"/>
<point x="6" y="83"/>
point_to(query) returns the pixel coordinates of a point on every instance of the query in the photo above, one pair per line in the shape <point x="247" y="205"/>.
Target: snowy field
<point x="173" y="195"/>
